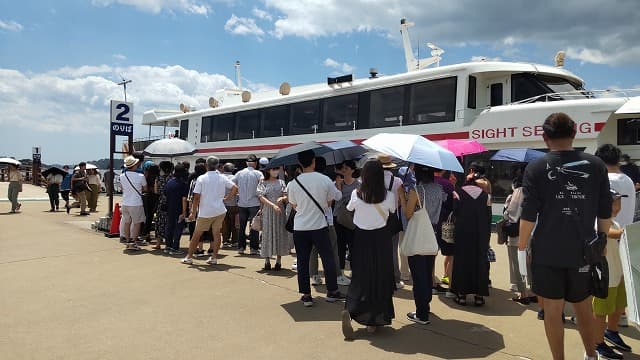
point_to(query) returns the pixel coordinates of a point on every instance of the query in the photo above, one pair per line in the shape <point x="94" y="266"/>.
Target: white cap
<point x="264" y="161"/>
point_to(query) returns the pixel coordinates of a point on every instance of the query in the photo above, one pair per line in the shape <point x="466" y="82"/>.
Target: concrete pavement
<point x="67" y="292"/>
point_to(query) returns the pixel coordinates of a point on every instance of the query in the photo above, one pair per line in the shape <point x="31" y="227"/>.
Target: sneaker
<point x="606" y="352"/>
<point x="450" y="294"/>
<point x="399" y="285"/>
<point x="347" y="329"/>
<point x="187" y="261"/>
<point x="541" y="315"/>
<point x="254" y="252"/>
<point x="438" y="289"/>
<point x="307" y="300"/>
<point x="294" y="266"/>
<point x="514" y="288"/>
<point x="210" y="251"/>
<point x="123" y="240"/>
<point x="613" y="338"/>
<point x="316" y="280"/>
<point x="212" y="261"/>
<point x="335" y="297"/>
<point x="142" y="243"/>
<point x="624" y="322"/>
<point x="198" y="253"/>
<point x="132" y="246"/>
<point x="412" y="316"/>
<point x="343" y="280"/>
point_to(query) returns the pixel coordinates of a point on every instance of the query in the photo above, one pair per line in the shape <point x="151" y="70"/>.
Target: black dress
<point x="473" y="229"/>
<point x="370" y="295"/>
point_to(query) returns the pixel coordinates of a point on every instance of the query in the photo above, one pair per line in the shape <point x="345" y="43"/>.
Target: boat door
<point x="623" y="128"/>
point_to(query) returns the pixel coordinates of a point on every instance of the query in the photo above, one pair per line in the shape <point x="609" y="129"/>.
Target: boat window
<point x="224" y="127"/>
<point x="248" y="124"/>
<point x="496" y="94"/>
<point x="560" y="85"/>
<point x="433" y="101"/>
<point x="206" y="129"/>
<point x="305" y="117"/>
<point x="275" y="121"/>
<point x="526" y="86"/>
<point x="471" y="93"/>
<point x="387" y="107"/>
<point x="184" y="129"/>
<point x="340" y="113"/>
<point x="628" y="131"/>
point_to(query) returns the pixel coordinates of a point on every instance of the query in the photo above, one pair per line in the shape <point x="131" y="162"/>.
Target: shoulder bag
<point x="256" y="222"/>
<point x="394" y="225"/>
<point x="290" y="220"/>
<point x="345" y="217"/>
<point x="419" y="238"/>
<point x="449" y="230"/>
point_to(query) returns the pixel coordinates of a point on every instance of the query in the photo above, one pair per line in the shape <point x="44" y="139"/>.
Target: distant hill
<point x="101" y="164"/>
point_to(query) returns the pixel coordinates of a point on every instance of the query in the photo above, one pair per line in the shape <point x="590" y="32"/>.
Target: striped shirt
<point x="247" y="180"/>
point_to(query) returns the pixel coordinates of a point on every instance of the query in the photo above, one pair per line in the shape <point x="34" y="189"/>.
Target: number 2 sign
<point x="121" y="118"/>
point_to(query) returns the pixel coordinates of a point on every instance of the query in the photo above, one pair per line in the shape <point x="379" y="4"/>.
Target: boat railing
<point x="141" y="143"/>
<point x="580" y="94"/>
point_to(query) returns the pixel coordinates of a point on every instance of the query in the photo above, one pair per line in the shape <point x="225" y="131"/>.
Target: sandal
<point x="478" y="301"/>
<point x="461" y="300"/>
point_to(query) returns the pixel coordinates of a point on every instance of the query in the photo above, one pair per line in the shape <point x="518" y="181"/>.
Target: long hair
<point x="372" y="189"/>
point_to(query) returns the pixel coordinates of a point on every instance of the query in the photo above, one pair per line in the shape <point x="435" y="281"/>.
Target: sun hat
<point x="386" y="161"/>
<point x="130" y="161"/>
<point x="264" y="161"/>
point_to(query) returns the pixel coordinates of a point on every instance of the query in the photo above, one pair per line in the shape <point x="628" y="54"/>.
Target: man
<point x="65" y="188"/>
<point x="80" y="186"/>
<point x="132" y="208"/>
<point x="15" y="186"/>
<point x="565" y="191"/>
<point x="625" y="189"/>
<point x="393" y="184"/>
<point x="631" y="170"/>
<point x="208" y="203"/>
<point x="53" y="189"/>
<point x="247" y="180"/>
<point x="310" y="226"/>
<point x="229" y="232"/>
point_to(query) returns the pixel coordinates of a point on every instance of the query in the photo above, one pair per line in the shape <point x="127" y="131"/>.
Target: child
<point x="613" y="306"/>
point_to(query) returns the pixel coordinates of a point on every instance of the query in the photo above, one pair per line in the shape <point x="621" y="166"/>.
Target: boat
<point x="498" y="103"/>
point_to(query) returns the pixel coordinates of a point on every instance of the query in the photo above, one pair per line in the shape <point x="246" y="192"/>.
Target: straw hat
<point x="386" y="161"/>
<point x="130" y="161"/>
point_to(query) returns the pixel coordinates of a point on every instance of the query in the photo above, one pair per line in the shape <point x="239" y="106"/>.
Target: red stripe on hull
<point x="599" y="125"/>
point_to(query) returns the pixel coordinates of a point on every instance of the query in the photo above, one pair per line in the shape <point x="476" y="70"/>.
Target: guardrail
<point x="580" y="94"/>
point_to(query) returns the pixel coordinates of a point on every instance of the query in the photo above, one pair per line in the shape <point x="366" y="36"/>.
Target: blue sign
<point x="121" y="118"/>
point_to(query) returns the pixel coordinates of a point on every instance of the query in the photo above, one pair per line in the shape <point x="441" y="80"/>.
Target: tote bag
<point x="419" y="238"/>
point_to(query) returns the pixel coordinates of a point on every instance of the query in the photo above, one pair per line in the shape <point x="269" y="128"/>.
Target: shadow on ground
<point x="498" y="303"/>
<point x="321" y="310"/>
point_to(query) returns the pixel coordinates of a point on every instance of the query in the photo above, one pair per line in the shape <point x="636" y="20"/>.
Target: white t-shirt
<point x="366" y="216"/>
<point x="624" y="185"/>
<point x="308" y="216"/>
<point x="212" y="187"/>
<point x="397" y="182"/>
<point x="131" y="195"/>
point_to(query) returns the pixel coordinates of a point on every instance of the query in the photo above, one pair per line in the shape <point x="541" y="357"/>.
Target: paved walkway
<point x="67" y="292"/>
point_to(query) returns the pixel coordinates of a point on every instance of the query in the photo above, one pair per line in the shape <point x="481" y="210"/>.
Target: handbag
<point x="511" y="229"/>
<point x="345" y="217"/>
<point x="289" y="224"/>
<point x="600" y="278"/>
<point x="449" y="230"/>
<point x="502" y="236"/>
<point x="394" y="225"/>
<point x="419" y="237"/>
<point x="256" y="222"/>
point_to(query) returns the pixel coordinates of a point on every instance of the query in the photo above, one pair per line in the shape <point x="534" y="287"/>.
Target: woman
<point x="198" y="170"/>
<point x="93" y="178"/>
<point x="15" y="187"/>
<point x="53" y="189"/>
<point x="271" y="192"/>
<point x="150" y="199"/>
<point x="473" y="229"/>
<point x="166" y="167"/>
<point x="346" y="182"/>
<point x="429" y="194"/>
<point x="512" y="211"/>
<point x="175" y="193"/>
<point x="369" y="299"/>
<point x="65" y="188"/>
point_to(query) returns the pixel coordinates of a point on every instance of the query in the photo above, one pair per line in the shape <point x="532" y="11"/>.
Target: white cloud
<point x="261" y="14"/>
<point x="198" y="7"/>
<point x="596" y="56"/>
<point x="74" y="101"/>
<point x="243" y="26"/>
<point x="10" y="25"/>
<point x="338" y="66"/>
<point x="119" y="57"/>
<point x="484" y="58"/>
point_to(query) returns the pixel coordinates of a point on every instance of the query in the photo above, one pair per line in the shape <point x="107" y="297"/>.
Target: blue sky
<point x="59" y="59"/>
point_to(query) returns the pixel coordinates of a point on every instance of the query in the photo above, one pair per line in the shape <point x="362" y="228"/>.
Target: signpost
<point x="35" y="165"/>
<point x="121" y="124"/>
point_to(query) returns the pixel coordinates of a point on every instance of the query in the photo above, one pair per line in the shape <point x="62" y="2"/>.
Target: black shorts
<point x="570" y="284"/>
<point x="446" y="249"/>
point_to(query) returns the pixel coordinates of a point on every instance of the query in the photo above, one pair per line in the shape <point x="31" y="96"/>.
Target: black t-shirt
<point x="554" y="185"/>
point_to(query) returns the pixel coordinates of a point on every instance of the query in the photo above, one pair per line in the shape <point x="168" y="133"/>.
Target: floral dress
<point x="275" y="241"/>
<point x="161" y="210"/>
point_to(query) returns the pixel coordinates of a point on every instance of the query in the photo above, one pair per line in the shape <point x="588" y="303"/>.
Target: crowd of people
<point x="358" y="218"/>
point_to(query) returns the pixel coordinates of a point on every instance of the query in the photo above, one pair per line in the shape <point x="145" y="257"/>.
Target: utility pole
<point x="124" y="83"/>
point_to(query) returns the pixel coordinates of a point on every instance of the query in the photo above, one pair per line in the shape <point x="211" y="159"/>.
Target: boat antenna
<point x="238" y="79"/>
<point x="414" y="64"/>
